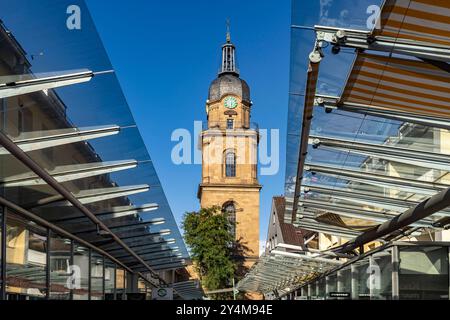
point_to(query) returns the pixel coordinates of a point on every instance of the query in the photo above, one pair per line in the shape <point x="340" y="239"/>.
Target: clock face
<point x="230" y="102"/>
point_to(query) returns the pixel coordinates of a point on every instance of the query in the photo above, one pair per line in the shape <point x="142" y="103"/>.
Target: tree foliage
<point x="208" y="235"/>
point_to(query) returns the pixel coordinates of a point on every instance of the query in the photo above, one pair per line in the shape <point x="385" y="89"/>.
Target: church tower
<point x="229" y="145"/>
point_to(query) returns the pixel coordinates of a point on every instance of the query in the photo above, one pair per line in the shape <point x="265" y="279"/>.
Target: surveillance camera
<point x="335" y="49"/>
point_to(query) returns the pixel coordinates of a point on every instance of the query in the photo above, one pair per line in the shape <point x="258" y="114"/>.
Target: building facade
<point x="229" y="152"/>
<point x="82" y="213"/>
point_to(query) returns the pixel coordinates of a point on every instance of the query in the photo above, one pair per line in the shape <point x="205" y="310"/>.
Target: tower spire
<point x="228" y="55"/>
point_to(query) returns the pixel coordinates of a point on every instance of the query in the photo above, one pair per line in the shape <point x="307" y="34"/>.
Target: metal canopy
<point x="189" y="290"/>
<point x="69" y="173"/>
<point x="66" y="153"/>
<point x="280" y="269"/>
<point x="405" y="85"/>
<point x="409" y="156"/>
<point x="376" y="150"/>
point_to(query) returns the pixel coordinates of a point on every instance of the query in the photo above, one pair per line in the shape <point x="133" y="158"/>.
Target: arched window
<point x="230" y="164"/>
<point x="230" y="209"/>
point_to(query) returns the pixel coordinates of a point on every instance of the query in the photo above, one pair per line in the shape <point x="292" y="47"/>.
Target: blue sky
<point x="166" y="53"/>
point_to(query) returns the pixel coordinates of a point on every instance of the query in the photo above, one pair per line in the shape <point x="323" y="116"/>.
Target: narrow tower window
<point x="230" y="209"/>
<point x="230" y="164"/>
<point x="230" y="124"/>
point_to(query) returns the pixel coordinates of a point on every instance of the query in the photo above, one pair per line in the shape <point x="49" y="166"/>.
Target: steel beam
<point x="359" y="39"/>
<point x="403" y="184"/>
<point x="311" y="83"/>
<point x="125" y="227"/>
<point x="419" y="158"/>
<point x="358" y="213"/>
<point x="367" y="198"/>
<point x="18" y="153"/>
<point x="143" y="244"/>
<point x="24" y="84"/>
<point x="424" y="209"/>
<point x="32" y="141"/>
<point x="331" y="103"/>
<point x="114" y="213"/>
<point x="91" y="196"/>
<point x="69" y="173"/>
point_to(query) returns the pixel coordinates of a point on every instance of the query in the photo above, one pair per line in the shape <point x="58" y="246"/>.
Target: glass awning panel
<point x="189" y="290"/>
<point x="73" y="120"/>
<point x="280" y="269"/>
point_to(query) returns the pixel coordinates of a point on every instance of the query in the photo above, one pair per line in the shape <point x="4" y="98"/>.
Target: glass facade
<point x="97" y="277"/>
<point x="421" y="272"/>
<point x="40" y="264"/>
<point x="78" y="129"/>
<point x="26" y="259"/>
<point x="60" y="251"/>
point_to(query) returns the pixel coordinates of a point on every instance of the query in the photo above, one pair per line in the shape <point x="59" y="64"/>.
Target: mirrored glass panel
<point x="26" y="259"/>
<point x="424" y="273"/>
<point x="97" y="274"/>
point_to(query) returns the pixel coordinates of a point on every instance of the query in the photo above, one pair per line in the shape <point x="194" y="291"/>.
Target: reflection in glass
<point x="81" y="267"/>
<point x="361" y="274"/>
<point x="345" y="282"/>
<point x="322" y="288"/>
<point x="423" y="273"/>
<point x="60" y="261"/>
<point x="381" y="268"/>
<point x="120" y="284"/>
<point x="96" y="276"/>
<point x="26" y="260"/>
<point x="331" y="285"/>
<point x="110" y="279"/>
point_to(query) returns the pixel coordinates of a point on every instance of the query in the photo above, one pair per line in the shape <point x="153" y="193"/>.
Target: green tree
<point x="212" y="246"/>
